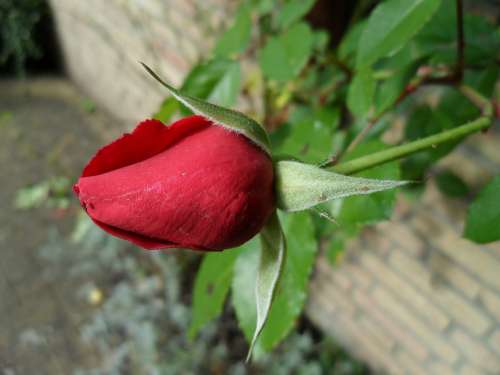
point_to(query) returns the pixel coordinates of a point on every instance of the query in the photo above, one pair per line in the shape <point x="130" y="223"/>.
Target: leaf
<point x="292" y="11"/>
<point x="301" y="186"/>
<point x="292" y="290"/>
<point x="227" y="118"/>
<point x="335" y="249"/>
<point x="367" y="209"/>
<point x="456" y="107"/>
<point x="32" y="196"/>
<point x="263" y="6"/>
<point x="452" y="185"/>
<point x="242" y="287"/>
<point x="211" y="286"/>
<point x="389" y="90"/>
<point x="321" y="40"/>
<point x="272" y="260"/>
<point x="236" y="39"/>
<point x="167" y="110"/>
<point x="360" y="93"/>
<point x="308" y="134"/>
<point x="424" y="122"/>
<point x="225" y="93"/>
<point x="217" y="81"/>
<point x="284" y="56"/>
<point x="438" y="38"/>
<point x="390" y="26"/>
<point x="483" y="217"/>
<point x="349" y="44"/>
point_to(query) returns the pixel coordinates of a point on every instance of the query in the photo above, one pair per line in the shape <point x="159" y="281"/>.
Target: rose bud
<point x="192" y="185"/>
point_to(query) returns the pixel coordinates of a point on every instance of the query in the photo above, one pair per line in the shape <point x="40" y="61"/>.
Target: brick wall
<point x="411" y="296"/>
<point x="102" y="42"/>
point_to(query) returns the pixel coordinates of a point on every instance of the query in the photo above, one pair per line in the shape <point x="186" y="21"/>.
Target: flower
<point x="192" y="184"/>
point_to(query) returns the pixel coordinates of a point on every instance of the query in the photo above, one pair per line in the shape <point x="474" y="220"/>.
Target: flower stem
<point x="397" y="152"/>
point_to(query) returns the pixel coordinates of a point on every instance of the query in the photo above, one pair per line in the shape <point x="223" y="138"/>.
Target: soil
<point x="47" y="129"/>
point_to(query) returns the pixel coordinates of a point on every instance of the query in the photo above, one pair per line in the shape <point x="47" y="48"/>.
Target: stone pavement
<point x="44" y="131"/>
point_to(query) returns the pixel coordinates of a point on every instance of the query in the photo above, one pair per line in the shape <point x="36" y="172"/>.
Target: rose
<point x="192" y="184"/>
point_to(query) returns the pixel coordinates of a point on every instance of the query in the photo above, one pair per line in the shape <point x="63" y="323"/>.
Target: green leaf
<point x="424" y="122"/>
<point x="308" y="135"/>
<point x="211" y="286"/>
<point x="242" y="287"/>
<point x="167" y="110"/>
<point x="263" y="7"/>
<point x="236" y="39"/>
<point x="452" y="185"/>
<point x="321" y="39"/>
<point x="389" y="90"/>
<point x="284" y="56"/>
<point x="349" y="44"/>
<point x="292" y="290"/>
<point x="485" y="80"/>
<point x="301" y="186"/>
<point x="335" y="249"/>
<point x="360" y="210"/>
<point x="392" y="24"/>
<point x="456" y="107"/>
<point x="224" y="117"/>
<point x="272" y="260"/>
<point x="292" y="11"/>
<point x="483" y="218"/>
<point x="217" y="81"/>
<point x="438" y="38"/>
<point x="32" y="196"/>
<point x="361" y="92"/>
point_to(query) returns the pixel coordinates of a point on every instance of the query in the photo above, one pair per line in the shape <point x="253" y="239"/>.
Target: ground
<point x="47" y="129"/>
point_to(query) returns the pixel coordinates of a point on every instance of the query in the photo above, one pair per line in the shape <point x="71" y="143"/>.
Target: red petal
<point x="143" y="241"/>
<point x="189" y="185"/>
<point x="149" y="138"/>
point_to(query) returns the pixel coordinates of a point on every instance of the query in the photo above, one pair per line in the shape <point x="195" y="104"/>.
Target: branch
<point x="398" y="152"/>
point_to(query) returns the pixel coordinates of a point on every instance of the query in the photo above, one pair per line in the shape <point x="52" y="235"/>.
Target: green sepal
<point x="300" y="186"/>
<point x="270" y="269"/>
<point x="227" y="118"/>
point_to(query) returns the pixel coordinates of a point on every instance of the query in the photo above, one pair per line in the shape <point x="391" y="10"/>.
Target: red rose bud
<point x="192" y="185"/>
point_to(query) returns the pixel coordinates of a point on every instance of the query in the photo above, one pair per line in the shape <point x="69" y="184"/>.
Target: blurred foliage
<point x="141" y="315"/>
<point x="315" y="98"/>
<point x="451" y="184"/>
<point x="484" y="214"/>
<point x="18" y="19"/>
<point x="53" y="192"/>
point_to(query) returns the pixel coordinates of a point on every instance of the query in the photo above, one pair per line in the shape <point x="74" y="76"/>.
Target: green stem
<point x="397" y="152"/>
